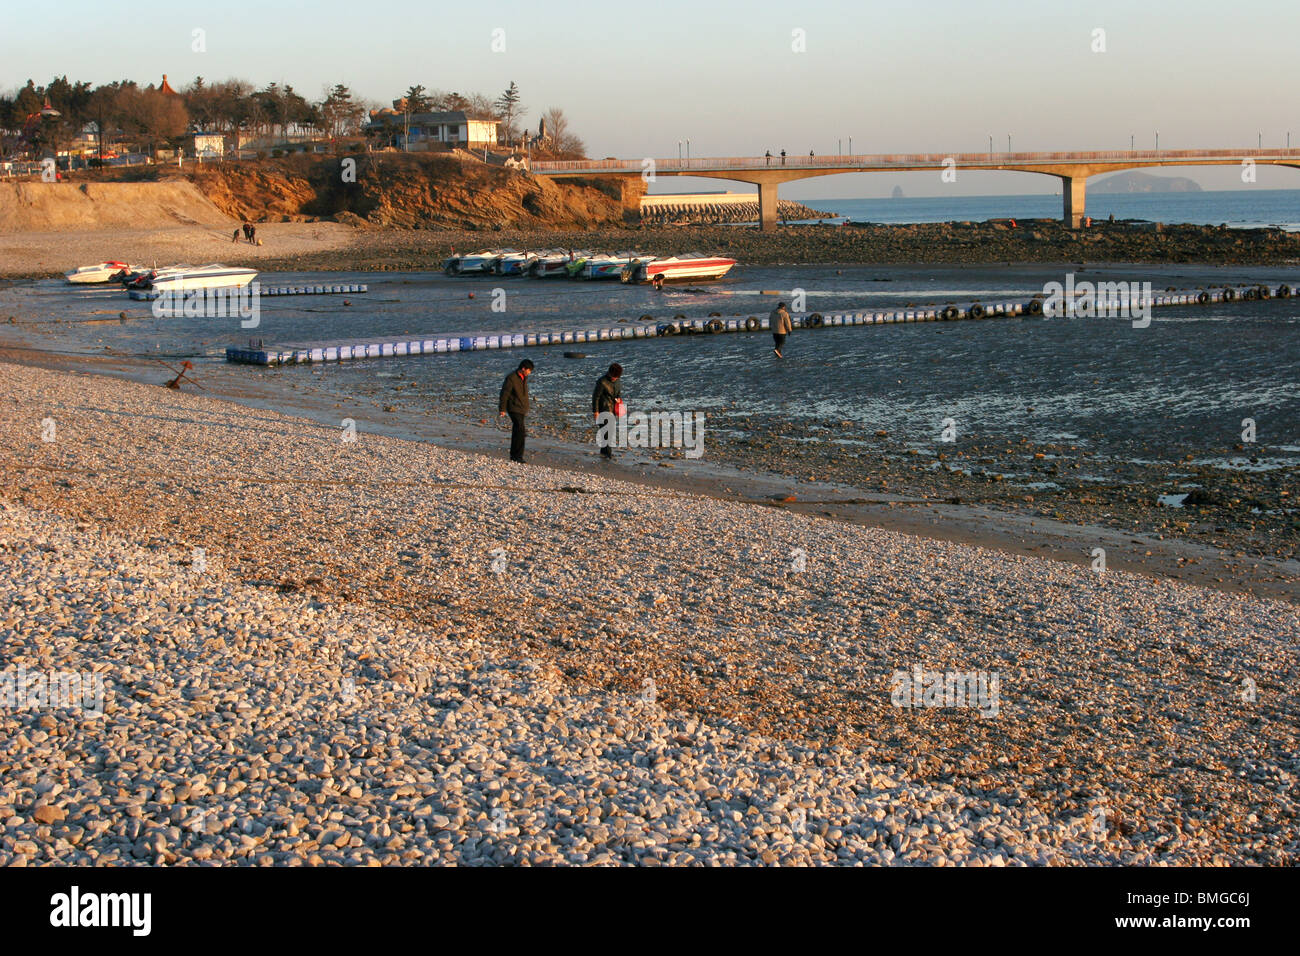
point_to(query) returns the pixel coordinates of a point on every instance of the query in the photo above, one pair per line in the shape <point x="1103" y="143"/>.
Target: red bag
<point x="620" y="408"/>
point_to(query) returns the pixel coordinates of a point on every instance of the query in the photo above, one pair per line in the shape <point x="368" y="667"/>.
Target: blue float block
<point x="466" y="344"/>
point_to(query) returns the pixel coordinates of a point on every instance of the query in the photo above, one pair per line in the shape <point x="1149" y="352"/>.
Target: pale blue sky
<point x="635" y="78"/>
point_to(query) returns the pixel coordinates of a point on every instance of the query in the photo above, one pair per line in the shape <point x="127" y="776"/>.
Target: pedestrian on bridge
<point x="782" y="157"/>
<point x="769" y="157"/>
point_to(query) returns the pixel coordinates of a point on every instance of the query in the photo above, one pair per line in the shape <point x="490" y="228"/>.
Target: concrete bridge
<point x="1072" y="168"/>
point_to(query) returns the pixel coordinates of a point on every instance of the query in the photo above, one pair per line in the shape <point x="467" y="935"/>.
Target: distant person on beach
<point x="607" y="395"/>
<point x="245" y="227"/>
<point x="514" y="402"/>
<point x="234" y="237"/>
<point x="781" y="326"/>
<point x="252" y="233"/>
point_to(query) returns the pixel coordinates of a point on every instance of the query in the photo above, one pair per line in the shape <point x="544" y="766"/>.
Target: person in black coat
<point x="514" y="402"/>
<point x="608" y="391"/>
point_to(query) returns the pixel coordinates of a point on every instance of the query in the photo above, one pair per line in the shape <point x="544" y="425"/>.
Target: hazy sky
<point x="637" y="78"/>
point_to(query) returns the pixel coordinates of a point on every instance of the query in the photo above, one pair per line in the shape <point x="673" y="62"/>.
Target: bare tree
<point x="563" y="139"/>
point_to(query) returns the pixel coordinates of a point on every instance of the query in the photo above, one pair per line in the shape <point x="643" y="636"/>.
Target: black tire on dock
<point x="752" y="324"/>
<point x="1034" y="307"/>
<point x="715" y="315"/>
<point x="1284" y="292"/>
<point x="1203" y="298"/>
<point x="646" y="318"/>
<point x="1229" y="295"/>
<point x="949" y="313"/>
<point x="1250" y="295"/>
<point x="977" y="311"/>
<point x="715" y="326"/>
<point x="815" y="321"/>
<point x="1264" y="292"/>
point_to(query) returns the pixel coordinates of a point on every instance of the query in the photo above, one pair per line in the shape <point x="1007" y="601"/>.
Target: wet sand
<point x="1004" y="524"/>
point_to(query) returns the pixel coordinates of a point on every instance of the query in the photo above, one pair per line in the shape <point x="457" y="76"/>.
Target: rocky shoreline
<point x="358" y="246"/>
<point x="381" y="652"/>
<point x="931" y="243"/>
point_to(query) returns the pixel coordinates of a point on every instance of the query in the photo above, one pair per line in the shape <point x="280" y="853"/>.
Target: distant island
<point x="897" y="193"/>
<point x="1133" y="181"/>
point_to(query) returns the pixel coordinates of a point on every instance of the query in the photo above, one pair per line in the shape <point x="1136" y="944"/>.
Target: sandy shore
<point x="385" y="651"/>
<point x="43" y="254"/>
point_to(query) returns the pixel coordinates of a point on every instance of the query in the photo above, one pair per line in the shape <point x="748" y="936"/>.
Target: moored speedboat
<point x="611" y="267"/>
<point x="686" y="267"/>
<point x="214" y="276"/>
<point x="549" y="267"/>
<point x="473" y="264"/>
<point x="103" y="272"/>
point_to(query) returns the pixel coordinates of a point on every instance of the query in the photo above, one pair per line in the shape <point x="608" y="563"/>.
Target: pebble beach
<point x="323" y="646"/>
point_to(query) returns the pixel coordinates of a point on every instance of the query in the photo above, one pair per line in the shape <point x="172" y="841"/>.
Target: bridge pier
<point x="767" y="206"/>
<point x="1074" y="192"/>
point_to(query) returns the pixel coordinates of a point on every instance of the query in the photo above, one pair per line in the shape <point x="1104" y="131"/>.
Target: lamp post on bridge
<point x="990" y="147"/>
<point x="1132" y="142"/>
<point x="1157" y="141"/>
<point x="851" y="144"/>
<point x="688" y="152"/>
<point x="679" y="152"/>
<point x="1008" y="143"/>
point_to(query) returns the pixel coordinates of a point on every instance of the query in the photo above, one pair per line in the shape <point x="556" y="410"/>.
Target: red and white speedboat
<point x="102" y="272"/>
<point x="691" y="266"/>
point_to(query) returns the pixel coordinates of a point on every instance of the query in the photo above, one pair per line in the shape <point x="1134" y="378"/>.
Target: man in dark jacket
<point x="514" y="402"/>
<point x="607" y="392"/>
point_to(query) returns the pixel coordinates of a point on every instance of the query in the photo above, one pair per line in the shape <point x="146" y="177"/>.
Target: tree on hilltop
<point x="508" y="106"/>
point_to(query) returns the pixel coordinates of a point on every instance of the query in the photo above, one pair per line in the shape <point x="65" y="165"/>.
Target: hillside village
<point x="83" y="128"/>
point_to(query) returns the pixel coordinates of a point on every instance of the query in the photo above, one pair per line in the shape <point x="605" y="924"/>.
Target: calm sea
<point x="1242" y="208"/>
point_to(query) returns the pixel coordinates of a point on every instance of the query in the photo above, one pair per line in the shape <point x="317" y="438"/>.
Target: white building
<point x="433" y="130"/>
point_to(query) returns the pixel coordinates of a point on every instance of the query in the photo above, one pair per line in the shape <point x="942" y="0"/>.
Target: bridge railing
<point x="910" y="159"/>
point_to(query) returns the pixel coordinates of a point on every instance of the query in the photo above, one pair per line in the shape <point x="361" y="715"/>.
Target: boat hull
<point x="693" y="270"/>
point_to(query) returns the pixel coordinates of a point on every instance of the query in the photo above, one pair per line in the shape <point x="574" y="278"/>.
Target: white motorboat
<point x="103" y="272"/>
<point x="472" y="264"/>
<point x="215" y="276"/>
<point x="552" y="266"/>
<point x="684" y="268"/>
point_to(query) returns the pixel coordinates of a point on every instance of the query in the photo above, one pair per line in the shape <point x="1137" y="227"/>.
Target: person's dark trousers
<point x="517" y="435"/>
<point x="778" y="341"/>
